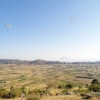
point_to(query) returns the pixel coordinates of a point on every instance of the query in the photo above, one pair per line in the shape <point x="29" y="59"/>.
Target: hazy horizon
<point x="49" y="60"/>
<point x="43" y="29"/>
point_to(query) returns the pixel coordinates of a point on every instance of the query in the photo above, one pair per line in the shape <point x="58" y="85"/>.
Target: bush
<point x="81" y="91"/>
<point x="4" y="94"/>
<point x="60" y="87"/>
<point x="33" y="91"/>
<point x="14" y="92"/>
<point x="69" y="86"/>
<point x="24" y="90"/>
<point x="83" y="94"/>
<point x="64" y="91"/>
<point x="94" y="87"/>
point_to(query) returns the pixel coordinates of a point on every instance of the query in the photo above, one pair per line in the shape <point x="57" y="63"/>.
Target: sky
<point x="43" y="29"/>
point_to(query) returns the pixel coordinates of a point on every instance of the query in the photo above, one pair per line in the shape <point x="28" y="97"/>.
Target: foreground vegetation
<point x="60" y="92"/>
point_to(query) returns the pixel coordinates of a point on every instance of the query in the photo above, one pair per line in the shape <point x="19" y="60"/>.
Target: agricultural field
<point x="38" y="76"/>
<point x="52" y="75"/>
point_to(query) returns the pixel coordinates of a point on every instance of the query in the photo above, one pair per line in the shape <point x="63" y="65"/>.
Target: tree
<point x="94" y="81"/>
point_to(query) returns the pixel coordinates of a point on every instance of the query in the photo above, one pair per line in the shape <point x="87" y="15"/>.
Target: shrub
<point x="94" y="87"/>
<point x="81" y="91"/>
<point x="64" y="91"/>
<point x="69" y="86"/>
<point x="24" y="90"/>
<point x="60" y="87"/>
<point x="1" y="91"/>
<point x="35" y="91"/>
<point x="5" y="94"/>
<point x="83" y="94"/>
<point x="14" y="92"/>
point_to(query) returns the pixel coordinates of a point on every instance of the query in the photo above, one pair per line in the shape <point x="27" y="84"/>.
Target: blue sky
<point x="42" y="29"/>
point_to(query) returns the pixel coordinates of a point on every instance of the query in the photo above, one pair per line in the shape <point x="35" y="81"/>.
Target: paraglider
<point x="8" y="25"/>
<point x="63" y="58"/>
<point x="72" y="18"/>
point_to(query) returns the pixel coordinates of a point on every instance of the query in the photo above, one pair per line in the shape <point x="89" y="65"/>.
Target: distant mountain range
<point x="40" y="62"/>
<point x="35" y="62"/>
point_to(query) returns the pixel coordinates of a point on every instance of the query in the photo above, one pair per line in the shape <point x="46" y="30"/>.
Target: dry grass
<point x="54" y="98"/>
<point x="72" y="97"/>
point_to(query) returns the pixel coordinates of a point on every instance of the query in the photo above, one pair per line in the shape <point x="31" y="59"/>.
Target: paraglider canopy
<point x="72" y="18"/>
<point x="63" y="58"/>
<point x="8" y="25"/>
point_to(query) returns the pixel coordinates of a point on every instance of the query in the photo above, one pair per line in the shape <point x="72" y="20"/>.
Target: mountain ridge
<point x="40" y="61"/>
<point x="36" y="62"/>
